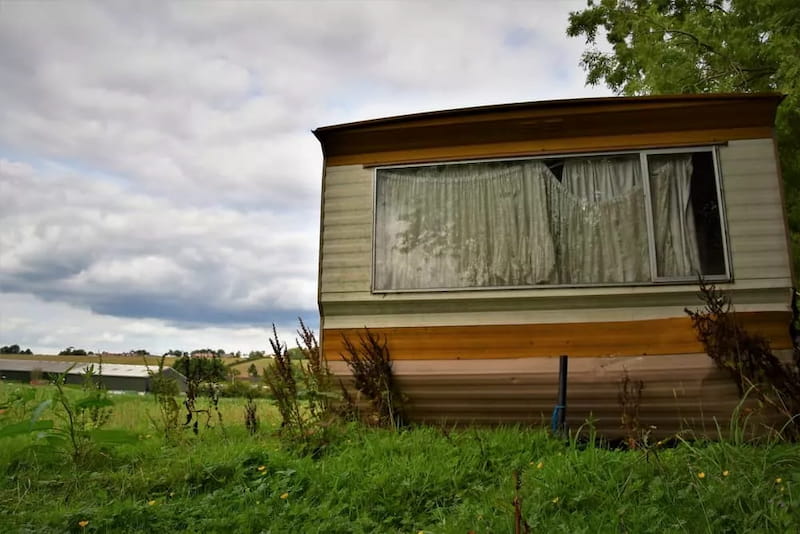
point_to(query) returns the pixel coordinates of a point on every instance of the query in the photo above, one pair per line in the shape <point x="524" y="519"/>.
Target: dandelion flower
<point x="83" y="523"/>
<point x="726" y="473"/>
<point x="555" y="500"/>
<point x="284" y="496"/>
<point x="778" y="480"/>
<point x="539" y="465"/>
<point x="701" y="475"/>
<point x="151" y="503"/>
<point x="262" y="467"/>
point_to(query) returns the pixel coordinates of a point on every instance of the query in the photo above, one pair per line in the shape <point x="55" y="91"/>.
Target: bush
<point x="242" y="389"/>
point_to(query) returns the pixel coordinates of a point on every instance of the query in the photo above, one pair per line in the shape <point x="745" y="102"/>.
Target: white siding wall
<point x="757" y="241"/>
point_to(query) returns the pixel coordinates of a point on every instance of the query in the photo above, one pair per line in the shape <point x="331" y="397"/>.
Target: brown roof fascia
<point x="508" y="123"/>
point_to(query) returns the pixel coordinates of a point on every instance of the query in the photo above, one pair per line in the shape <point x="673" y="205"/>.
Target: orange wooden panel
<point x="620" y="338"/>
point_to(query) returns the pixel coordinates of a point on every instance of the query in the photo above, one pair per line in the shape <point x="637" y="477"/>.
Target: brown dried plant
<point x="250" y="416"/>
<point x="630" y="399"/>
<point x="747" y="357"/>
<point x="371" y="366"/>
<point x="279" y="377"/>
<point x="317" y="377"/>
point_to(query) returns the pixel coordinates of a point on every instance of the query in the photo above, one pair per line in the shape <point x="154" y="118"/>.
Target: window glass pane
<point x="517" y="223"/>
<point x="686" y="215"/>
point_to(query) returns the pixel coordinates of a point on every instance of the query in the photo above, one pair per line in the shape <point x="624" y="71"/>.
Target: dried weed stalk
<point x="279" y="377"/>
<point x="250" y="416"/>
<point x="371" y="366"/>
<point x="747" y="357"/>
<point x="630" y="399"/>
<point x="164" y="390"/>
<point x="317" y="377"/>
<point x="520" y="525"/>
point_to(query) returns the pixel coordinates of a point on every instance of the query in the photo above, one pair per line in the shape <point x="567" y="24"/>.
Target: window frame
<point x="655" y="279"/>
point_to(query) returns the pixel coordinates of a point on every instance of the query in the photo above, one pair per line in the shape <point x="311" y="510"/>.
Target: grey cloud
<point x="158" y="160"/>
<point x="97" y="245"/>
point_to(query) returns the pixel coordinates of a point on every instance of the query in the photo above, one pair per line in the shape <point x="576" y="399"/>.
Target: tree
<point x="72" y="351"/>
<point x="201" y="369"/>
<point x="252" y="370"/>
<point x="10" y="349"/>
<point x="702" y="46"/>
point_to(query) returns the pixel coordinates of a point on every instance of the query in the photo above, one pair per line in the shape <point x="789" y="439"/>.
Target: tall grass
<point x="419" y="479"/>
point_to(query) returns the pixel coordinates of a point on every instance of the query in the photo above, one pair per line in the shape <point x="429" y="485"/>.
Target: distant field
<point x="244" y="365"/>
<point x="130" y="360"/>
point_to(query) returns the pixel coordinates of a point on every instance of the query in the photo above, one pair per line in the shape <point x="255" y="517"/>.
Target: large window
<point x="627" y="218"/>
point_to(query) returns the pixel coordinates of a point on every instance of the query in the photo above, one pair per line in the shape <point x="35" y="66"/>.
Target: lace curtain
<point x="677" y="253"/>
<point x="474" y="225"/>
<point x="599" y="221"/>
<point x="518" y="223"/>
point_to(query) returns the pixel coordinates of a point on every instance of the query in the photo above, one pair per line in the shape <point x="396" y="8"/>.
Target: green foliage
<point x="242" y="389"/>
<point x="83" y="417"/>
<point x="701" y="46"/>
<point x="302" y="392"/>
<point x="201" y="368"/>
<point x="72" y="351"/>
<point x="422" y="479"/>
<point x="14" y="349"/>
<point x="164" y="389"/>
<point x="279" y="378"/>
<point x="295" y="353"/>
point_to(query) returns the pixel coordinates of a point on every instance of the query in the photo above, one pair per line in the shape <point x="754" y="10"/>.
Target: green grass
<point x="367" y="480"/>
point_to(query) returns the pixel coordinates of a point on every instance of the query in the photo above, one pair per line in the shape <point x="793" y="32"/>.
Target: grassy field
<point x="422" y="479"/>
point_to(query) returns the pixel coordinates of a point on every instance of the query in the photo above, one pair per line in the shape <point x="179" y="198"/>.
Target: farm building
<point x="115" y="377"/>
<point x="485" y="242"/>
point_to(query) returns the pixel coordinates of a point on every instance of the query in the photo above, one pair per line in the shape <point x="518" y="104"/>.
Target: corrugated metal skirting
<point x="680" y="394"/>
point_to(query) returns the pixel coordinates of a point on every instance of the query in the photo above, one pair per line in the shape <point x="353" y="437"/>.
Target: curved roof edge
<point x="528" y="127"/>
<point x="610" y="102"/>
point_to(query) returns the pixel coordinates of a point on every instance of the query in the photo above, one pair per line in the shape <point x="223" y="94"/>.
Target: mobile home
<point x="485" y="242"/>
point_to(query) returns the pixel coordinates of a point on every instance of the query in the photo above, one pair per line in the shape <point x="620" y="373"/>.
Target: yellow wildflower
<point x="726" y="473"/>
<point x="701" y="475"/>
<point x="284" y="496"/>
<point x="171" y="493"/>
<point x="778" y="480"/>
<point x="539" y="465"/>
<point x="151" y="503"/>
<point x="83" y="523"/>
<point x="262" y="467"/>
<point x="555" y="500"/>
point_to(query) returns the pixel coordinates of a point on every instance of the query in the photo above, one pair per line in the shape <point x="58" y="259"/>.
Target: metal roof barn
<point x="117" y="377"/>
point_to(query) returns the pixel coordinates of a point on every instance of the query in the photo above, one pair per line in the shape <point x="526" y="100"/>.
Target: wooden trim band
<point x="550" y="145"/>
<point x="618" y="338"/>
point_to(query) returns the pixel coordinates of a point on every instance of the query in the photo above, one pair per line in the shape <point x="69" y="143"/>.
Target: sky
<point x="159" y="181"/>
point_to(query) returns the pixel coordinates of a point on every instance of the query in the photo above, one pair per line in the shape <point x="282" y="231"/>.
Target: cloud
<point x="67" y="325"/>
<point x="95" y="244"/>
<point x="156" y="160"/>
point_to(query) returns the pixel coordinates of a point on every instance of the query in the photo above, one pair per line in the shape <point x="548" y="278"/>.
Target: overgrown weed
<point x="748" y="358"/>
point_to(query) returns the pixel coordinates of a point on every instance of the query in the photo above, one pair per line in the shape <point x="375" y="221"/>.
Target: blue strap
<point x="556" y="416"/>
